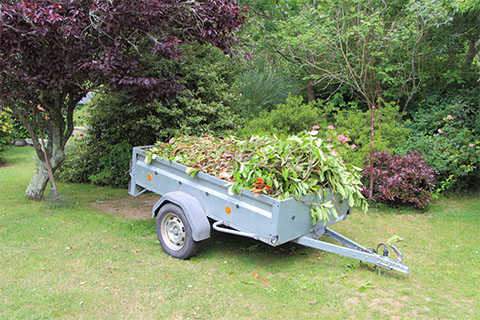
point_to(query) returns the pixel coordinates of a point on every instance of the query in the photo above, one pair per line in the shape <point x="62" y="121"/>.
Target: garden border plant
<point x="401" y="179"/>
<point x="347" y="119"/>
<point x="448" y="137"/>
<point x="6" y="134"/>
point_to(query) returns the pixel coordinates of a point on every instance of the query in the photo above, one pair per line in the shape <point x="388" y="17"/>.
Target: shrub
<point x="18" y="130"/>
<point x="6" y="133"/>
<point x="112" y="166"/>
<point x="262" y="90"/>
<point x="446" y="132"/>
<point x="81" y="114"/>
<point x="117" y="123"/>
<point x="11" y="128"/>
<point x="337" y="142"/>
<point x="3" y="149"/>
<point x="401" y="179"/>
<point x="355" y="124"/>
<point x="190" y="115"/>
<point x="79" y="163"/>
<point x="285" y="119"/>
<point x="347" y="119"/>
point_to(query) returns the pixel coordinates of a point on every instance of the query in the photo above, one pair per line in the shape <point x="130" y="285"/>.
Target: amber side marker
<point x="228" y="210"/>
<point x="149" y="176"/>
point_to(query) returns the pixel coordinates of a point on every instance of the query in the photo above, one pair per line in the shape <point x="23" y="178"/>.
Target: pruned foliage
<point x="301" y="166"/>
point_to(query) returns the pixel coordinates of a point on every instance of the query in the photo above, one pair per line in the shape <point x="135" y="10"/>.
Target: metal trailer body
<point x="263" y="218"/>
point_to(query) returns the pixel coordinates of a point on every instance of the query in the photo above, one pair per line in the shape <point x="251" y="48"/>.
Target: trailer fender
<point x="193" y="211"/>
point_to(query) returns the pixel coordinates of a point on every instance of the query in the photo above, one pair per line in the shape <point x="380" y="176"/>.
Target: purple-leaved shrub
<point x="401" y="180"/>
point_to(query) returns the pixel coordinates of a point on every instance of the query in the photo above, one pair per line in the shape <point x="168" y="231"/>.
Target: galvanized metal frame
<point x="354" y="250"/>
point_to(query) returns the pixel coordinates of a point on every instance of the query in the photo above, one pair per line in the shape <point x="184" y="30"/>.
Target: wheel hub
<point x="173" y="231"/>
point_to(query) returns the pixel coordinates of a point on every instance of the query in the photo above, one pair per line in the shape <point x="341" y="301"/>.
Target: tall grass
<point x="262" y="90"/>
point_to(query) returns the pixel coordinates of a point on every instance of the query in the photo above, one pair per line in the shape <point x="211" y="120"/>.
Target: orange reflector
<point x="149" y="176"/>
<point x="228" y="210"/>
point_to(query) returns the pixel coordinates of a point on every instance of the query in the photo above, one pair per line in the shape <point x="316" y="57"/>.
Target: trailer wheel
<point x="175" y="233"/>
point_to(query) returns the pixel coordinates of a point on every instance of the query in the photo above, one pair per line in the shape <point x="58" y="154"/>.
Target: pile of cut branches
<point x="206" y="154"/>
<point x="297" y="166"/>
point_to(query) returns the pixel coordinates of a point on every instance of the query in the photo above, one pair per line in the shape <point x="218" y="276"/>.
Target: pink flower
<point x="330" y="127"/>
<point x="341" y="160"/>
<point x="440" y="131"/>
<point x="449" y="116"/>
<point x="470" y="144"/>
<point x="315" y="128"/>
<point x="335" y="153"/>
<point x="342" y="138"/>
<point x="353" y="146"/>
<point x="329" y="139"/>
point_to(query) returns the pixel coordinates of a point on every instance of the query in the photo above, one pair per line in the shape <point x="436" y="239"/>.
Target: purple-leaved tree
<point x="53" y="53"/>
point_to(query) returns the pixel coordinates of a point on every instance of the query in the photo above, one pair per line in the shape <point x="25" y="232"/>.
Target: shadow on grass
<point x="253" y="251"/>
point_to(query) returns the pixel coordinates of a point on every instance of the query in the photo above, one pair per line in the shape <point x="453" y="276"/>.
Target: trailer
<point x="189" y="204"/>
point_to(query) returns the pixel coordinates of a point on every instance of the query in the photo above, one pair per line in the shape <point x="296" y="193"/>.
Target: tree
<point x="455" y="48"/>
<point x="261" y="35"/>
<point x="374" y="48"/>
<point x="53" y="53"/>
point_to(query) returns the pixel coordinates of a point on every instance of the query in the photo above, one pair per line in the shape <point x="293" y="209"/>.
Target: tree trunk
<point x="310" y="93"/>
<point x="55" y="148"/>
<point x="52" y="119"/>
<point x="40" y="179"/>
<point x="472" y="50"/>
<point x="372" y="135"/>
<point x="38" y="182"/>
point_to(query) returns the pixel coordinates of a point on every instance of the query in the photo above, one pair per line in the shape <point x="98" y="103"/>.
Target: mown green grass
<point x="77" y="263"/>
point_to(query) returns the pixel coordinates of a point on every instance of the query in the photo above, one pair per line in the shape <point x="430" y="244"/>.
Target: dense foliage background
<point x="116" y="123"/>
<point x="54" y="53"/>
<point x="306" y="64"/>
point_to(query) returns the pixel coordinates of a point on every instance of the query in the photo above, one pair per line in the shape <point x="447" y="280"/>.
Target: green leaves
<point x="148" y="157"/>
<point x="321" y="211"/>
<point x="367" y="284"/>
<point x="393" y="239"/>
<point x="191" y="171"/>
<point x="297" y="166"/>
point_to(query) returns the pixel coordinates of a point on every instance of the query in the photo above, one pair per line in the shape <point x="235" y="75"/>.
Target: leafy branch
<point x="298" y="166"/>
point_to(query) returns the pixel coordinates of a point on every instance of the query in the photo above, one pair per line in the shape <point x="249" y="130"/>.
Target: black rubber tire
<point x="185" y="247"/>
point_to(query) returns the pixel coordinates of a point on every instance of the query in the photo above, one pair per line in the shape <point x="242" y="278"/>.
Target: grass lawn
<point x="80" y="263"/>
